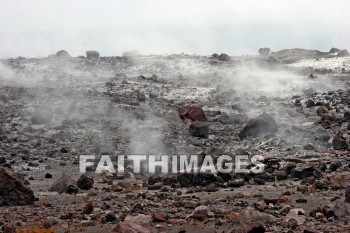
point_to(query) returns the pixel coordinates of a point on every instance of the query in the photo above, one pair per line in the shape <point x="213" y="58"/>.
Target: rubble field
<point x="291" y="107"/>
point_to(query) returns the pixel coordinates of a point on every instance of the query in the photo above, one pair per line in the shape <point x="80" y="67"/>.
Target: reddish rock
<point x="159" y="216"/>
<point x="193" y="113"/>
<point x="128" y="227"/>
<point x="153" y="179"/>
<point x="88" y="208"/>
<point x="13" y="189"/>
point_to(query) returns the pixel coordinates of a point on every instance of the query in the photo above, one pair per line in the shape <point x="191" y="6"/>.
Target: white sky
<point x="42" y="27"/>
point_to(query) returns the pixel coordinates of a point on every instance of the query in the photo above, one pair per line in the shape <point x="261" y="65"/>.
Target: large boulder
<point x="13" y="189"/>
<point x="62" y="54"/>
<point x="64" y="184"/>
<point x="129" y="227"/>
<point x="343" y="53"/>
<point x="92" y="54"/>
<point x="262" y="125"/>
<point x="264" y="52"/>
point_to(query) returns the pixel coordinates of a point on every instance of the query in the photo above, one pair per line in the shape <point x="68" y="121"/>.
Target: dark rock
<point x="334" y="50"/>
<point x="85" y="182"/>
<point x="88" y="208"/>
<point x="229" y="120"/>
<point x="199" y="129"/>
<point x="154" y="179"/>
<point x="203" y="179"/>
<point x="211" y="188"/>
<point x="92" y="54"/>
<point x="48" y="176"/>
<point x="328" y="212"/>
<point x="302" y="173"/>
<point x="156" y="186"/>
<point x="346" y="116"/>
<point x="110" y="217"/>
<point x="225" y="176"/>
<point x="13" y="189"/>
<point x="224" y="57"/>
<point x="262" y="125"/>
<point x="309" y="147"/>
<point x="193" y="113"/>
<point x="264" y="52"/>
<point x="339" y="142"/>
<point x="309" y="103"/>
<point x="141" y="97"/>
<point x="185" y="179"/>
<point x="343" y="53"/>
<point x="281" y="175"/>
<point x="235" y="183"/>
<point x="170" y="181"/>
<point x="64" y="184"/>
<point x="335" y="165"/>
<point x="347" y="194"/>
<point x="129" y="227"/>
<point x="62" y="54"/>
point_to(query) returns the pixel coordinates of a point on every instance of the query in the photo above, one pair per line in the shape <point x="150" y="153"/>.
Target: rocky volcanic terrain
<point x="292" y="107"/>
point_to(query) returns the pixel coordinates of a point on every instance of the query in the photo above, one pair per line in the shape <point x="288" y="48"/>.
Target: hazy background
<point x="39" y="27"/>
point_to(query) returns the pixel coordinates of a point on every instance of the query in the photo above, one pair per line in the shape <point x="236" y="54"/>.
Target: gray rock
<point x="64" y="184"/>
<point x="264" y="52"/>
<point x="92" y="54"/>
<point x="262" y="125"/>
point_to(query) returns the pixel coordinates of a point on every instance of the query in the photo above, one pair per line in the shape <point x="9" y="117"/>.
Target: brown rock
<point x="321" y="110"/>
<point x="159" y="216"/>
<point x="193" y="113"/>
<point x="88" y="208"/>
<point x="13" y="190"/>
<point x="128" y="227"/>
<point x="339" y="142"/>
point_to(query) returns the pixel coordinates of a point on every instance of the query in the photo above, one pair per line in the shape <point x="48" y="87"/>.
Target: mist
<point x="37" y="28"/>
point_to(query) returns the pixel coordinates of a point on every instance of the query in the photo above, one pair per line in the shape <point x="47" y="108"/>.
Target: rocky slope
<point x="296" y="116"/>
